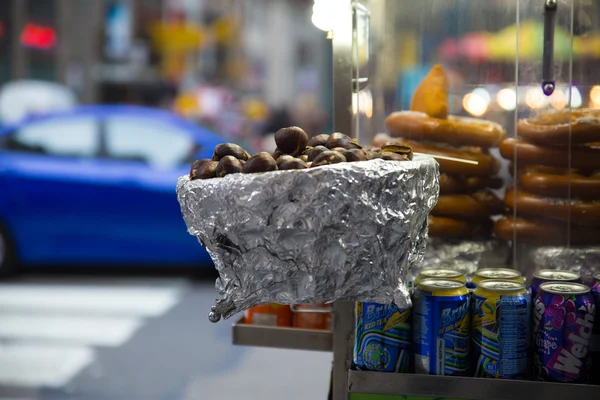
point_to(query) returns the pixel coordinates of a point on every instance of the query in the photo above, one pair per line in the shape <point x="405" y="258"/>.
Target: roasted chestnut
<point x="316" y="151"/>
<point x="339" y="149"/>
<point x="294" y="163"/>
<point x="328" y="157"/>
<point x="340" y="140"/>
<point x="307" y="150"/>
<point x="355" y="155"/>
<point x="276" y="154"/>
<point x="260" y="162"/>
<point x="228" y="165"/>
<point x="229" y="149"/>
<point x="203" y="169"/>
<point x="393" y="147"/>
<point x="372" y="154"/>
<point x="283" y="158"/>
<point x="291" y="140"/>
<point x="387" y="155"/>
<point x="303" y="157"/>
<point x="318" y="140"/>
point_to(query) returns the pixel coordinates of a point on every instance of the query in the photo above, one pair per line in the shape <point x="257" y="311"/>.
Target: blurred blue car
<point x="96" y="186"/>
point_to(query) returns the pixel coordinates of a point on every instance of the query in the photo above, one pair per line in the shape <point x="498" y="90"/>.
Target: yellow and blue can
<point x="441" y="328"/>
<point x="382" y="338"/>
<point x="500" y="318"/>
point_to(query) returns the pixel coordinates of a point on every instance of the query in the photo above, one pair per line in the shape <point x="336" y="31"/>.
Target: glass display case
<point x="509" y="88"/>
<point x="504" y="95"/>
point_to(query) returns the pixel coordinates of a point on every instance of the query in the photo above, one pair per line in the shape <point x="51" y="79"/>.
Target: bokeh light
<point x="595" y="97"/>
<point x="507" y="99"/>
<point x="475" y="104"/>
<point x="535" y="98"/>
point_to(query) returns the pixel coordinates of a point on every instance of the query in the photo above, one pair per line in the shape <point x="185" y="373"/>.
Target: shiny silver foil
<point x="466" y="256"/>
<point x="346" y="231"/>
<point x="584" y="260"/>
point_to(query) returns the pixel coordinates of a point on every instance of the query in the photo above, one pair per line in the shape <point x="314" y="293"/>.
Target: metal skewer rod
<point x="462" y="160"/>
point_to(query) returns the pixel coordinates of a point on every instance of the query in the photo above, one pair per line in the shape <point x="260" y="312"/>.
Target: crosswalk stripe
<point x="48" y="331"/>
<point x="97" y="331"/>
<point x="42" y="365"/>
<point x="118" y="300"/>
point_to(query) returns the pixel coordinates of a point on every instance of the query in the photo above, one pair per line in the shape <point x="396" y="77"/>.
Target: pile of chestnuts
<point x="294" y="151"/>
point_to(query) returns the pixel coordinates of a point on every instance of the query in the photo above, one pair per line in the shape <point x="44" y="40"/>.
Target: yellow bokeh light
<point x="507" y="99"/>
<point x="558" y="100"/>
<point x="475" y="104"/>
<point x="595" y="97"/>
<point x="535" y="98"/>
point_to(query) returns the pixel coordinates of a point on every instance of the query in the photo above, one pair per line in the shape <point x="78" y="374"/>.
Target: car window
<point x="69" y="137"/>
<point x="155" y="142"/>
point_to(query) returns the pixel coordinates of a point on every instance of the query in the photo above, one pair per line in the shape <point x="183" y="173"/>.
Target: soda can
<point x="500" y="319"/>
<point x="504" y="274"/>
<point x="595" y="343"/>
<point x="440" y="273"/>
<point x="563" y="319"/>
<point x="382" y="338"/>
<point x="441" y="328"/>
<point x="552" y="275"/>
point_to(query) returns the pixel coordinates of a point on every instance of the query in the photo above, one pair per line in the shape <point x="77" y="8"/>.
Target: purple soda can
<point x="552" y="275"/>
<point x="563" y="319"/>
<point x="596" y="333"/>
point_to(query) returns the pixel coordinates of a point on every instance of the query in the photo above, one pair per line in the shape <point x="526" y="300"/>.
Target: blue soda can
<point x="563" y="319"/>
<point x="500" y="334"/>
<point x="441" y="327"/>
<point x="596" y="332"/>
<point x="382" y="338"/>
<point x="551" y="275"/>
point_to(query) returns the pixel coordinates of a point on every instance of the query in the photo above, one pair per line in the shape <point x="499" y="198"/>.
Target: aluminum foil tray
<point x="347" y="231"/>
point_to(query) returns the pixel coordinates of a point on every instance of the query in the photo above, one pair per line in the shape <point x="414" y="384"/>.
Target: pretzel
<point x="456" y="131"/>
<point x="561" y="185"/>
<point x="486" y="164"/>
<point x="584" y="157"/>
<point x="475" y="206"/>
<point x="544" y="232"/>
<point x="450" y="228"/>
<point x="450" y="184"/>
<point x="579" y="212"/>
<point x="562" y="127"/>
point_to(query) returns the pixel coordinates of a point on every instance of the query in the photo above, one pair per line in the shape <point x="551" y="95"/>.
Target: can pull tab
<point x="548" y="83"/>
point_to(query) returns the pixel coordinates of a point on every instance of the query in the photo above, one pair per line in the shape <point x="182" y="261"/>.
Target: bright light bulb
<point x="483" y="92"/>
<point x="576" y="99"/>
<point x="558" y="99"/>
<point x="326" y="14"/>
<point x="595" y="97"/>
<point x="507" y="99"/>
<point x="475" y="104"/>
<point x="535" y="98"/>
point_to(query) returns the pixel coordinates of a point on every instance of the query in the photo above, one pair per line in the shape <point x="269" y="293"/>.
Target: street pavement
<point x="104" y="338"/>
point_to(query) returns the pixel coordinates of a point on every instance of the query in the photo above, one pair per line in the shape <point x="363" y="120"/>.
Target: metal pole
<point x="64" y="21"/>
<point x="342" y="73"/>
<point x="343" y="343"/>
<point x="19" y="62"/>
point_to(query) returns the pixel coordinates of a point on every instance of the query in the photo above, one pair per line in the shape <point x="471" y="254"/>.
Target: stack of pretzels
<point x="556" y="197"/>
<point x="466" y="203"/>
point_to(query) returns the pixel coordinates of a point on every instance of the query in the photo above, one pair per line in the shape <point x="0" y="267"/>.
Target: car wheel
<point x="7" y="253"/>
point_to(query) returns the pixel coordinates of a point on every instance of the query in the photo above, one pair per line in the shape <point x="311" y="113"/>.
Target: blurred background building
<point x="230" y="65"/>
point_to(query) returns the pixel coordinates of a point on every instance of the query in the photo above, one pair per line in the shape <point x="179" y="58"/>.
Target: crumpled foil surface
<point x="347" y="231"/>
<point x="466" y="256"/>
<point x="585" y="260"/>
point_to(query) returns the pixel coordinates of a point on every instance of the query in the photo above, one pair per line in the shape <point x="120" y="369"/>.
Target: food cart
<point x="510" y="110"/>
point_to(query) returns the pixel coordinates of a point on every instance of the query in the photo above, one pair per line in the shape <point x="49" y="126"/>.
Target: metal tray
<point x="465" y="388"/>
<point x="281" y="338"/>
